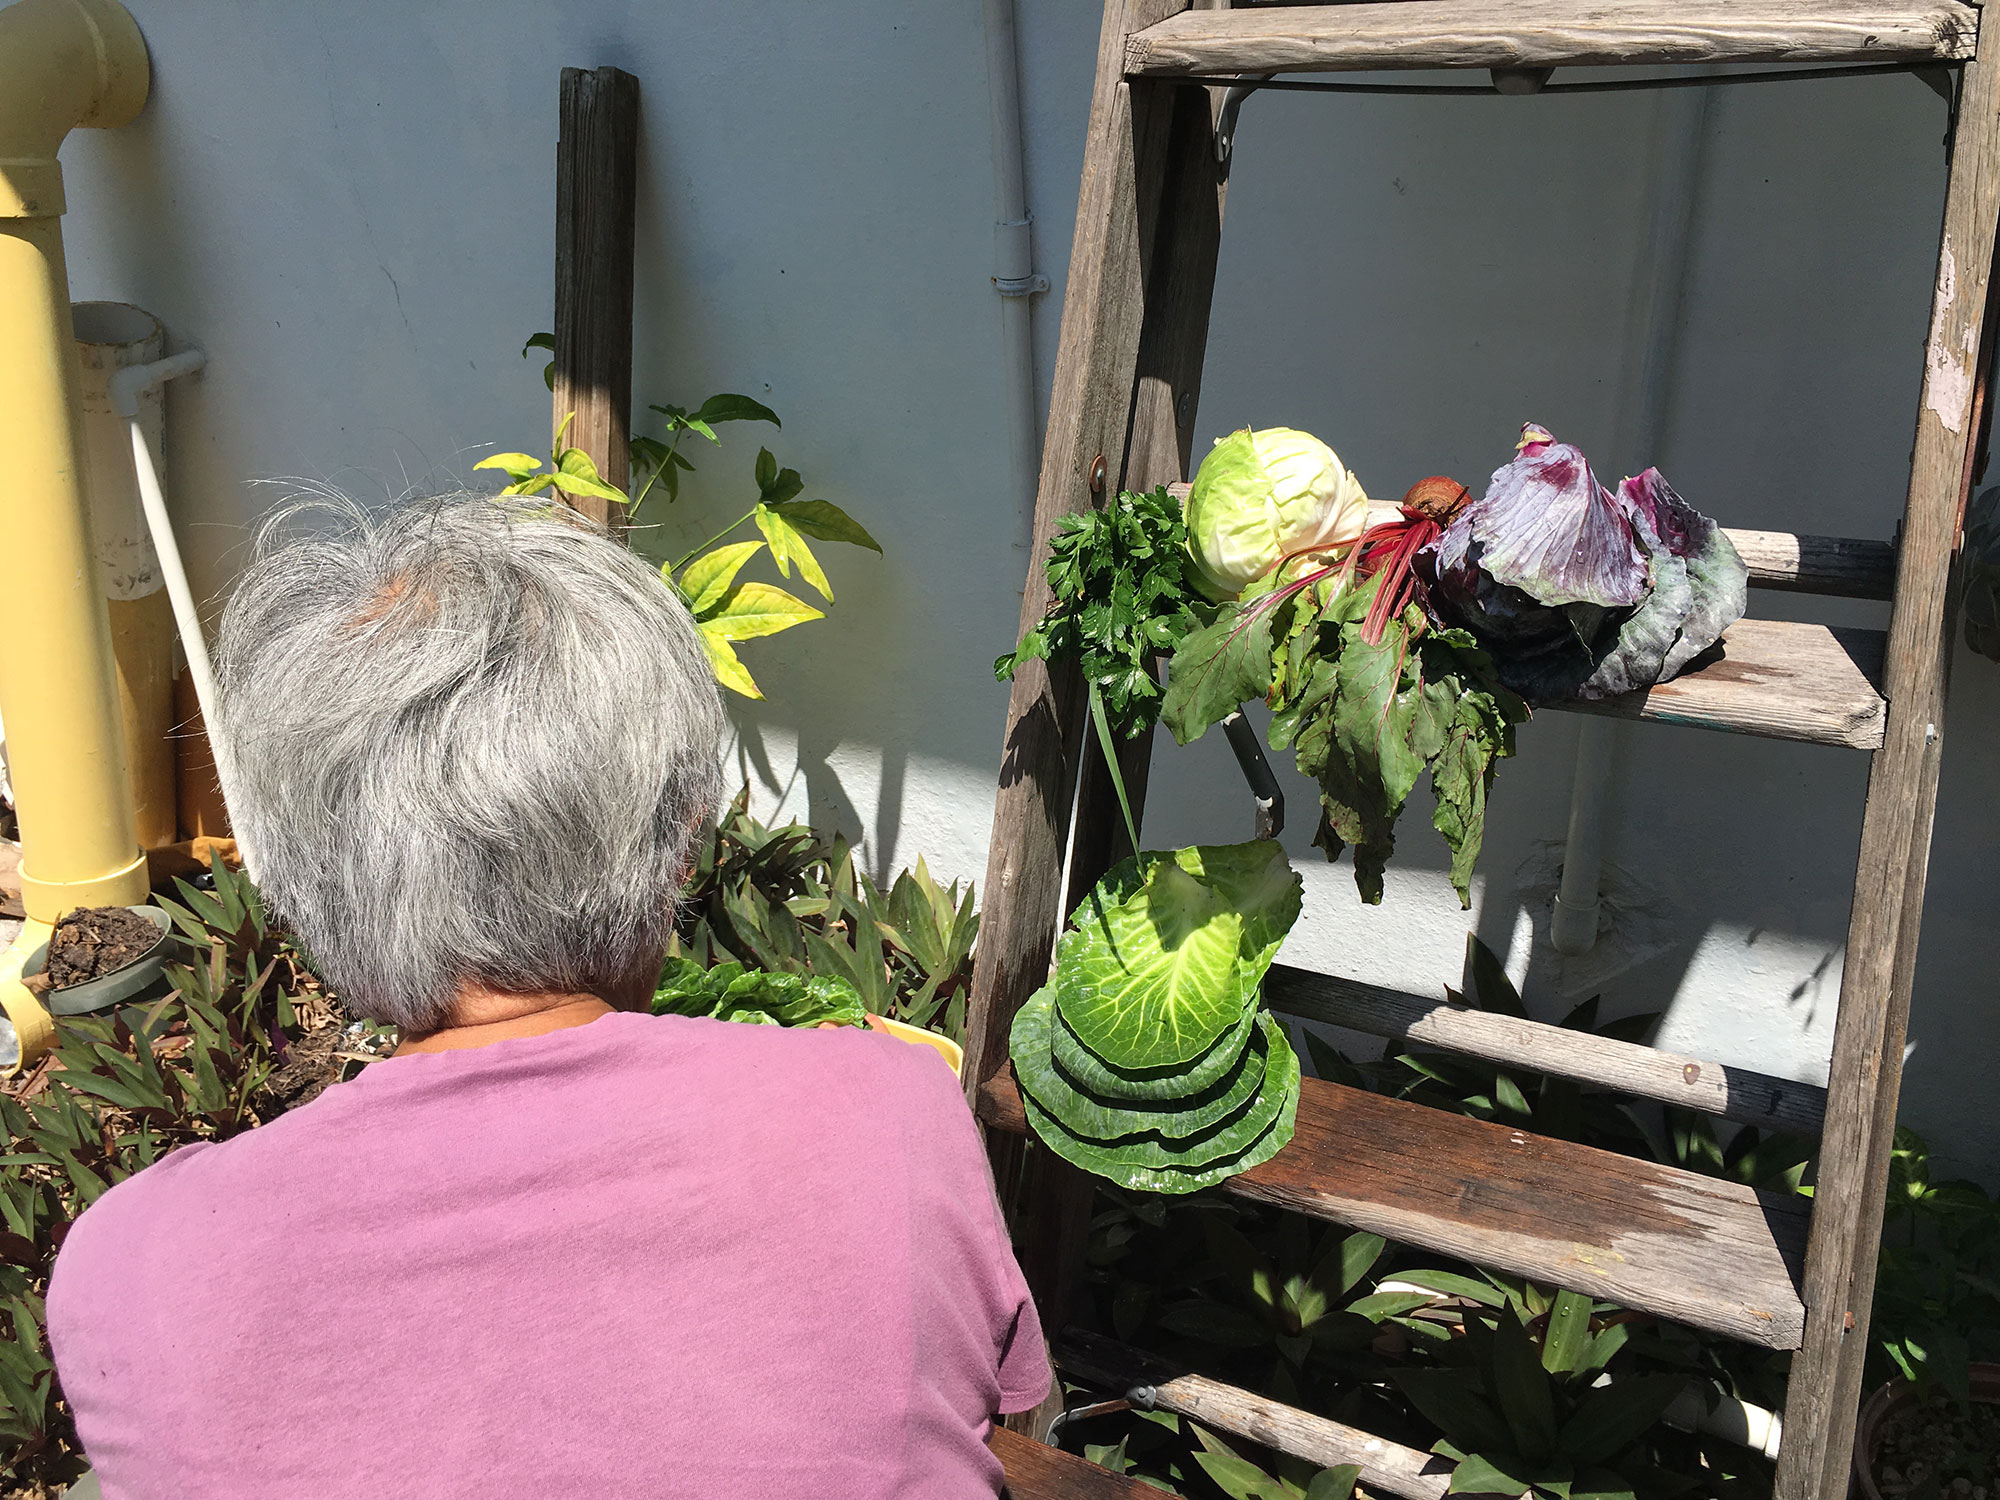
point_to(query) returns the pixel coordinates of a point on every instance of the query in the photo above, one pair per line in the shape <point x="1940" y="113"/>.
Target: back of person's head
<point x="473" y="740"/>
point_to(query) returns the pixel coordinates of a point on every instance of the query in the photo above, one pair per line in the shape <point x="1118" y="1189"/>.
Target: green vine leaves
<point x="726" y="610"/>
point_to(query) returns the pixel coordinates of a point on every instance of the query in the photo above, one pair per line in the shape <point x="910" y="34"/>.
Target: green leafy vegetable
<point x="1277" y="1090"/>
<point x="1364" y="719"/>
<point x="1148" y="1060"/>
<point x="1261" y="497"/>
<point x="730" y="992"/>
<point x="1169" y="948"/>
<point x="1125" y="591"/>
<point x="1114" y="1162"/>
<point x="1137" y="1084"/>
<point x="1224" y="1102"/>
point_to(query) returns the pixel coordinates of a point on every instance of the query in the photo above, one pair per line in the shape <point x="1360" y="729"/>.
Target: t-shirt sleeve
<point x="1025" y="1376"/>
<point x="1020" y="1351"/>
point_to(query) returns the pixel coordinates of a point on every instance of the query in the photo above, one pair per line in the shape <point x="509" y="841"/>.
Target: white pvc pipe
<point x="1013" y="264"/>
<point x="1734" y="1421"/>
<point x="1659" y="290"/>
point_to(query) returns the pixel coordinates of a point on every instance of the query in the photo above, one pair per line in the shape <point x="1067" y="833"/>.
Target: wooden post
<point x="1128" y="370"/>
<point x="595" y="155"/>
<point x="1866" y="1074"/>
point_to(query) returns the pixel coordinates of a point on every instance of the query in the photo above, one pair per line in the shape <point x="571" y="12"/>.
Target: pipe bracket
<point x="1020" y="286"/>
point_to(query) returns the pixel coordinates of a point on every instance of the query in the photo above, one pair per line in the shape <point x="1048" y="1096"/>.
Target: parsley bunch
<point x="1124" y="584"/>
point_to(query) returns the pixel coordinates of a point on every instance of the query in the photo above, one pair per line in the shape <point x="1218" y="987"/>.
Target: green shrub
<point x="791" y="900"/>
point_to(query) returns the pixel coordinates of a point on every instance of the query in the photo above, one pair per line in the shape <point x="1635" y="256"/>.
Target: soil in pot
<point x="1939" y="1450"/>
<point x="94" y="941"/>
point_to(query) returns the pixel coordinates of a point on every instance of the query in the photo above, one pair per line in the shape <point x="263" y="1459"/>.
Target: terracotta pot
<point x="1895" y="1397"/>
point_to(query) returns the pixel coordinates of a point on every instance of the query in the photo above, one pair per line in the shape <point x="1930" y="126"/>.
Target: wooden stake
<point x="595" y="156"/>
<point x="1128" y="372"/>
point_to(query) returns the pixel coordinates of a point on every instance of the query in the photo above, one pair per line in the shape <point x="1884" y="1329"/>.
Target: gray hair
<point x="474" y="740"/>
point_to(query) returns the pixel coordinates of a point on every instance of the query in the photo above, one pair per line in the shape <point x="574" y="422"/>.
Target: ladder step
<point x="1036" y="1471"/>
<point x="1777" y="678"/>
<point x="1267" y="39"/>
<point x="1851" y="567"/>
<point x="1688" y="1083"/>
<point x="1693" y="1249"/>
<point x="1386" y="1468"/>
<point x="1794" y="562"/>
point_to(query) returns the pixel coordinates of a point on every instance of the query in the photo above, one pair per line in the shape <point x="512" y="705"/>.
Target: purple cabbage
<point x="1576" y="591"/>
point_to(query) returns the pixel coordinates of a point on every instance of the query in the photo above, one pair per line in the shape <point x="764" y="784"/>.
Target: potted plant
<point x="1934" y="1428"/>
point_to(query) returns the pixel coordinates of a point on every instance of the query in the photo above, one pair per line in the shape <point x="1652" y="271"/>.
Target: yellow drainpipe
<point x="63" y="64"/>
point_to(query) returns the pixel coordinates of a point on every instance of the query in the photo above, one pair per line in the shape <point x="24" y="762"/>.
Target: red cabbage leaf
<point x="1559" y="634"/>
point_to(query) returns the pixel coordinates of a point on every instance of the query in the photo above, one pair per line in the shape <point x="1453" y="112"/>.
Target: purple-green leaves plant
<point x="1578" y="591"/>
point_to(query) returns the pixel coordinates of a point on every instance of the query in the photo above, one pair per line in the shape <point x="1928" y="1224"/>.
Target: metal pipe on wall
<point x="1013" y="264"/>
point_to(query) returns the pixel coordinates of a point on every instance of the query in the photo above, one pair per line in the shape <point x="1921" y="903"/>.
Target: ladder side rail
<point x="1142" y="233"/>
<point x="1185" y="233"/>
<point x="1096" y="349"/>
<point x="1866" y="1073"/>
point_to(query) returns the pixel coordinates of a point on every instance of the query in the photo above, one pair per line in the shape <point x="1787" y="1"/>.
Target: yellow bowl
<point x="944" y="1046"/>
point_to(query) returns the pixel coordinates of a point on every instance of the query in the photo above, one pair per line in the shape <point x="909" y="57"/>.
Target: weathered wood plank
<point x="595" y="207"/>
<point x="1185" y="231"/>
<point x="1795" y="562"/>
<point x="1506" y="34"/>
<point x="1128" y="365"/>
<point x="1036" y="1471"/>
<point x="1849" y="567"/>
<point x="1693" y="1249"/>
<point x="1776" y="678"/>
<point x="1387" y="1468"/>
<point x="1090" y="410"/>
<point x="1738" y="1094"/>
<point x="1866" y="1074"/>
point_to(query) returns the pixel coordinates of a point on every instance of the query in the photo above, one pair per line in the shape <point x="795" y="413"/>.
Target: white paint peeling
<point x="1948" y="371"/>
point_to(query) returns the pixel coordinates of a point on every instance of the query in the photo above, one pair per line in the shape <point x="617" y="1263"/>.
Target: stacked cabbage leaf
<point x="1149" y="1059"/>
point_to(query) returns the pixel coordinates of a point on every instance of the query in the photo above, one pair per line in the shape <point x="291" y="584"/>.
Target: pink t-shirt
<point x="642" y="1257"/>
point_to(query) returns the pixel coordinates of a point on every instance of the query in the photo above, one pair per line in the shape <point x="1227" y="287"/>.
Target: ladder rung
<point x="1778" y="678"/>
<point x="1036" y="1471"/>
<point x="1386" y="1468"/>
<point x="1851" y="567"/>
<point x="1795" y="562"/>
<point x="1688" y="1083"/>
<point x="1507" y="34"/>
<point x="1693" y="1249"/>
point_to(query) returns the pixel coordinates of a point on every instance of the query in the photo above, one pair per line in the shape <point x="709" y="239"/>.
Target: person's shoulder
<point x="178" y="1206"/>
<point x="849" y="1060"/>
<point x="138" y="1223"/>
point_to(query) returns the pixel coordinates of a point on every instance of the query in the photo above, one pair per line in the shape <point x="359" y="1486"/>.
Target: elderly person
<point x="554" y="1246"/>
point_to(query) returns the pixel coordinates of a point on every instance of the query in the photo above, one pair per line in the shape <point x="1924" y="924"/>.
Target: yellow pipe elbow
<point x="34" y="1027"/>
<point x="63" y="64"/>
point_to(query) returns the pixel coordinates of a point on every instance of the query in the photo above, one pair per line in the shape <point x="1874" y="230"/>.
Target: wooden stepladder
<point x="1692" y="1249"/>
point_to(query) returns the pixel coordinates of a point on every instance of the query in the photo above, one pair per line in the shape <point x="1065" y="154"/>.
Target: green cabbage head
<point x="1260" y="496"/>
